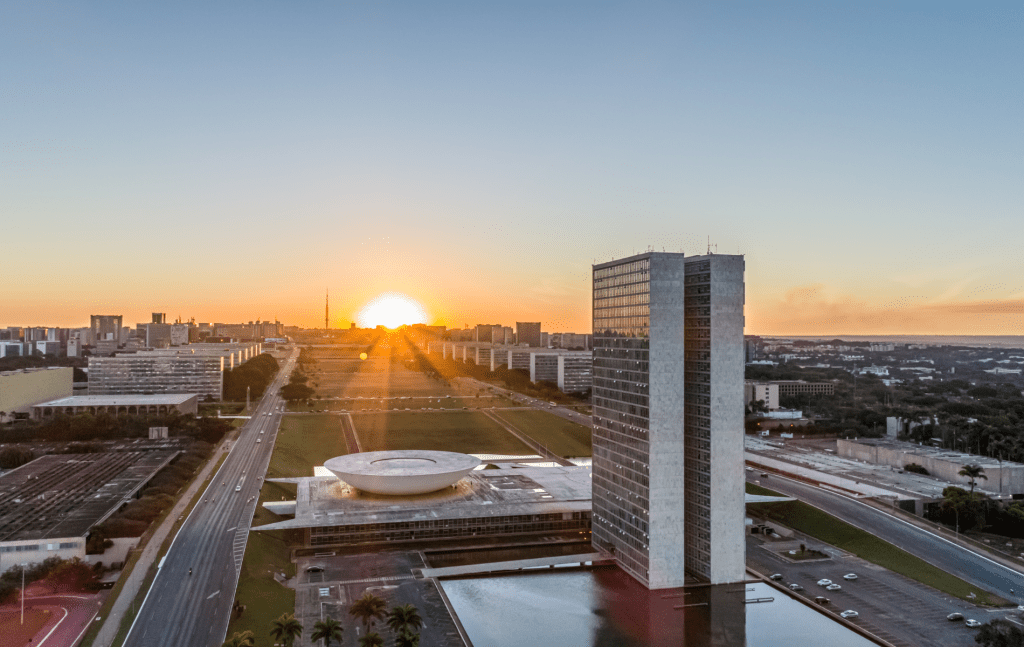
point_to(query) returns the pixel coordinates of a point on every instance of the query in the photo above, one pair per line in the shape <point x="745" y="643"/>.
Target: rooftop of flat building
<point x="64" y="495"/>
<point x="950" y="455"/>
<point x="37" y="369"/>
<point x="117" y="400"/>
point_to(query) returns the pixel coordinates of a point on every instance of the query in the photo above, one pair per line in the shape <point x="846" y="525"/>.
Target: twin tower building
<point x="668" y="482"/>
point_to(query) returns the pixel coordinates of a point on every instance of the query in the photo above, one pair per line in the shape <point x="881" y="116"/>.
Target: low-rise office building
<point x="115" y="405"/>
<point x="766" y="392"/>
<point x="575" y="372"/>
<point x="19" y="390"/>
<point x="800" y="387"/>
<point x="152" y="373"/>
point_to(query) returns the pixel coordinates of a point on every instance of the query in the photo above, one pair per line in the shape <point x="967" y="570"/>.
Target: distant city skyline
<point x="231" y="163"/>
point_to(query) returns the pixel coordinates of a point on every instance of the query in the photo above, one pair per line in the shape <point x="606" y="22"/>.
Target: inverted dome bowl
<point x="401" y="471"/>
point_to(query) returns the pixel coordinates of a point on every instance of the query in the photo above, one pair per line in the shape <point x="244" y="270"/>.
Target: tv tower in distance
<point x="327" y="308"/>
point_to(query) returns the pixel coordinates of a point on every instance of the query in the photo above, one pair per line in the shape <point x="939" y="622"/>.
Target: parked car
<point x="850" y="576"/>
<point x="973" y="623"/>
<point x="833" y="587"/>
<point x="954" y="617"/>
<point x="849" y="613"/>
<point x="824" y="582"/>
<point x="776" y="577"/>
<point x="796" y="587"/>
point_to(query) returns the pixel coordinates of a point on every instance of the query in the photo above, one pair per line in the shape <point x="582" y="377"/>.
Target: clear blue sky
<point x="229" y="161"/>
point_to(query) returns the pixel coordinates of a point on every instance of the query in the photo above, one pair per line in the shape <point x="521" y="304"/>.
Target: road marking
<point x="230" y="529"/>
<point x="55" y="626"/>
<point x="213" y="594"/>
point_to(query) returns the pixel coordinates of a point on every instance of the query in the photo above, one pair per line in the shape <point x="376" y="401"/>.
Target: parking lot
<point x="327" y="586"/>
<point x="890" y="606"/>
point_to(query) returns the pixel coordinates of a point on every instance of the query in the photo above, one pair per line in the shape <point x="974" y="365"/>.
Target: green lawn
<point x="559" y="435"/>
<point x="304" y="442"/>
<point x="754" y="488"/>
<point x="811" y="521"/>
<point x="265" y="599"/>
<point x="469" y="432"/>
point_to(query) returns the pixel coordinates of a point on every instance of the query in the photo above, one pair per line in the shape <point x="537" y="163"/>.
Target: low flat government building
<point x="484" y="502"/>
<point x="115" y="405"/>
<point x="48" y="506"/>
<point x="19" y="390"/>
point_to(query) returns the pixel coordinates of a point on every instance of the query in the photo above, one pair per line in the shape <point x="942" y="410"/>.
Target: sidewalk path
<point x="112" y="622"/>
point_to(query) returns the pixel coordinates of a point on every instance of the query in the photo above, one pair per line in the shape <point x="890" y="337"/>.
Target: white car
<point x="824" y="582"/>
<point x="796" y="587"/>
<point x="850" y="577"/>
<point x="238" y="488"/>
<point x="259" y="440"/>
<point x="776" y="577"/>
<point x="973" y="623"/>
<point x="849" y="613"/>
<point x="833" y="587"/>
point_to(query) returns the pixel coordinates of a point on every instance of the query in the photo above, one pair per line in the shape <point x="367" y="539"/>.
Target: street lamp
<point x="957" y="513"/>
<point x="23" y="567"/>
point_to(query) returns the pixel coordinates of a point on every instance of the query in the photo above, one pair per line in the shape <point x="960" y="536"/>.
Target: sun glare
<point x="391" y="310"/>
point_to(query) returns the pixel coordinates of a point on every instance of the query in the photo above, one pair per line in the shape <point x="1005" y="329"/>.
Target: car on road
<point x="314" y="569"/>
<point x="821" y="599"/>
<point x="776" y="577"/>
<point x="259" y="440"/>
<point x="833" y="587"/>
<point x="973" y="623"/>
<point x="955" y="617"/>
<point x="850" y="577"/>
<point x="849" y="613"/>
<point x="796" y="587"/>
<point x="261" y="431"/>
<point x="824" y="582"/>
<point x="238" y="488"/>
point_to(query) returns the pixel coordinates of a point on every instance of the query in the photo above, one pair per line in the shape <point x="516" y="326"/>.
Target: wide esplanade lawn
<point x="304" y="442"/>
<point x="558" y="435"/>
<point x="468" y="432"/>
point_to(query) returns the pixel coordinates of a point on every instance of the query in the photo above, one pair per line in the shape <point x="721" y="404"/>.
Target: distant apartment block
<point x="144" y="373"/>
<point x="19" y="390"/>
<point x="766" y="392"/>
<point x="544" y="367"/>
<point x="575" y="371"/>
<point x="668" y="494"/>
<point x="528" y="333"/>
<point x="106" y="327"/>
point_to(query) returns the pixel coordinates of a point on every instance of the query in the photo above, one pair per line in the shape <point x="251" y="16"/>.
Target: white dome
<point x="401" y="471"/>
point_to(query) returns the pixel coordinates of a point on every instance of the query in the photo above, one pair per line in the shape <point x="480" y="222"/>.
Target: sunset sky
<point x="231" y="161"/>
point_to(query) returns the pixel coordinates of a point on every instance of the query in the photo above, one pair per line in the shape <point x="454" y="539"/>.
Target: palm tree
<point x="973" y="472"/>
<point x="368" y="609"/>
<point x="372" y="639"/>
<point x="407" y="639"/>
<point x="327" y="630"/>
<point x="244" y="639"/>
<point x="286" y="628"/>
<point x="403" y="618"/>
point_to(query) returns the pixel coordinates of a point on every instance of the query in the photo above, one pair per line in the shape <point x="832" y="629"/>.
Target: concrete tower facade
<point x="668" y="417"/>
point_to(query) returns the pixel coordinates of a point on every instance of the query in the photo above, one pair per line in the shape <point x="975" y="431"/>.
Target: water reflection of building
<point x="698" y="616"/>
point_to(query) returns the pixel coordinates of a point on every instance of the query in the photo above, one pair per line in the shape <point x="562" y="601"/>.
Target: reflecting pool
<point x="604" y="607"/>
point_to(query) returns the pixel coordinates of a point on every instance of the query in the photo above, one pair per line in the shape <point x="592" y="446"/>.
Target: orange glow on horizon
<point x="391" y="310"/>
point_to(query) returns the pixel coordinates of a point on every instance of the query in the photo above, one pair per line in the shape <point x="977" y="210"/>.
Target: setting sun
<point x="391" y="310"/>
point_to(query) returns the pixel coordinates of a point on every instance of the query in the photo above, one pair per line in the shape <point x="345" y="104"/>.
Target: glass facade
<point x="621" y="450"/>
<point x="697" y="424"/>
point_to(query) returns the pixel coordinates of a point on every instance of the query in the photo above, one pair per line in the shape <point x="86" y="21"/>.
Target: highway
<point x="962" y="562"/>
<point x="184" y="609"/>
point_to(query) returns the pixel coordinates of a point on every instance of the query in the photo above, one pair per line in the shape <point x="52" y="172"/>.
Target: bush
<point x="15" y="456"/>
<point x="915" y="468"/>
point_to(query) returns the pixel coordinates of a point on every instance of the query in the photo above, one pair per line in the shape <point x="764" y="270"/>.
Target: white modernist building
<point x="401" y="472"/>
<point x="668" y="493"/>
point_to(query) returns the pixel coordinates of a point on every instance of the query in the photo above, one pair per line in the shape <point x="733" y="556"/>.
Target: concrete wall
<point x="1007" y="479"/>
<point x="19" y="390"/>
<point x="32" y="551"/>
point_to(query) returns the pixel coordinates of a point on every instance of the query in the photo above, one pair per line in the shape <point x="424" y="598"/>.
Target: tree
<point x="327" y="630"/>
<point x="404" y="618"/>
<point x="244" y="639"/>
<point x="372" y="639"/>
<point x="286" y="628"/>
<point x="407" y="639"/>
<point x="973" y="472"/>
<point x="999" y="633"/>
<point x="368" y="609"/>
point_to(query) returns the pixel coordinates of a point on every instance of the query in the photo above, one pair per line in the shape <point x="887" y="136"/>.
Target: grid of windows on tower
<point x="621" y="402"/>
<point x="697" y="420"/>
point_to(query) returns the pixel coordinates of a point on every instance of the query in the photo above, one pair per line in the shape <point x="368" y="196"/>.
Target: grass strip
<point x="811" y="521"/>
<point x="558" y="435"/>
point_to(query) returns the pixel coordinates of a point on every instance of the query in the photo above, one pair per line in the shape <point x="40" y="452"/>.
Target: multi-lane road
<point x="966" y="564"/>
<point x="190" y="600"/>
